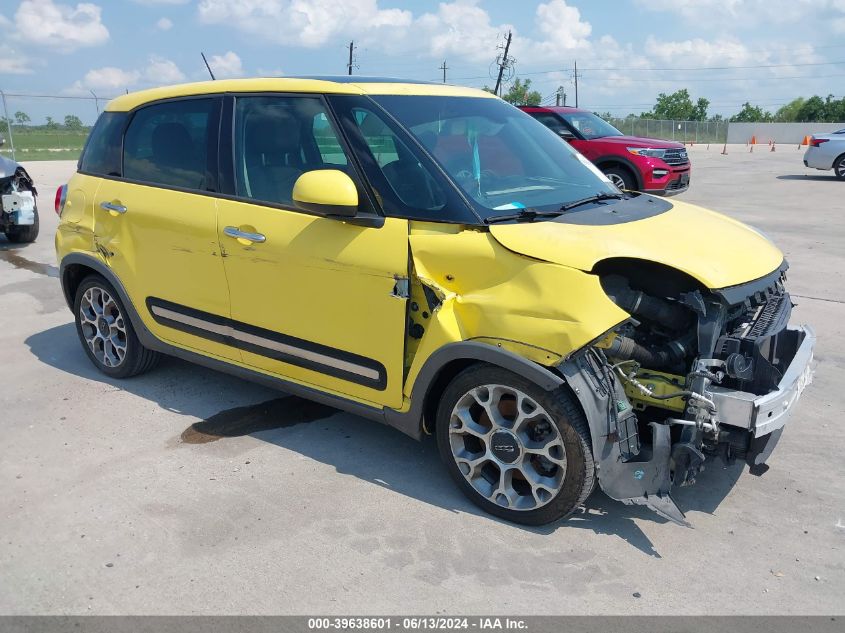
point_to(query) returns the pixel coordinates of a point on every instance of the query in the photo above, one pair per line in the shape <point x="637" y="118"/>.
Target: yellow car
<point x="433" y="258"/>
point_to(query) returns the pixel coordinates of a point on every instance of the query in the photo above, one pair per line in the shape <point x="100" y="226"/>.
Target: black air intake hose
<point x="656" y="356"/>
<point x="674" y="316"/>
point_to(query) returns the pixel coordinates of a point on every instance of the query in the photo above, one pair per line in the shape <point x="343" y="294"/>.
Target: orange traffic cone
<point x="753" y="140"/>
<point x="806" y="141"/>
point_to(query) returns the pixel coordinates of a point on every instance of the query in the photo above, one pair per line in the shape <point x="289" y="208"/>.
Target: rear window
<point x="101" y="156"/>
<point x="167" y="144"/>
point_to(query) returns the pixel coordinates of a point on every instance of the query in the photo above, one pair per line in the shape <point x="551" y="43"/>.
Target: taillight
<point x="61" y="196"/>
<point x="815" y="142"/>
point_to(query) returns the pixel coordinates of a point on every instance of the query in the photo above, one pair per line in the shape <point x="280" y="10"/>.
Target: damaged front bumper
<point x="764" y="416"/>
<point x="641" y="472"/>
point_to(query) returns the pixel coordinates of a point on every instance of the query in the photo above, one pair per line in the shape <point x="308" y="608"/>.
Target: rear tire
<point x="839" y="167"/>
<point x="514" y="449"/>
<point x="23" y="234"/>
<point x="621" y="177"/>
<point x="106" y="332"/>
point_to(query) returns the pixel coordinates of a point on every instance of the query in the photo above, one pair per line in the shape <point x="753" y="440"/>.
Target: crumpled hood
<point x="716" y="250"/>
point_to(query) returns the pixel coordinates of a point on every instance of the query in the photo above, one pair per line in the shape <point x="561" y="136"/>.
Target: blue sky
<point x="730" y="51"/>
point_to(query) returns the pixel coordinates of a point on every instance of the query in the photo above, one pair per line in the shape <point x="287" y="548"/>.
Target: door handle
<point x="236" y="233"/>
<point x="111" y="206"/>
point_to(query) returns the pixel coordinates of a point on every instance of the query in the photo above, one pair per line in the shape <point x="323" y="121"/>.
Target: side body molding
<point x="409" y="422"/>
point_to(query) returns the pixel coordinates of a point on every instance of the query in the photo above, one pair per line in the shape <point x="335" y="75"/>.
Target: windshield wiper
<point x="525" y="215"/>
<point x="596" y="198"/>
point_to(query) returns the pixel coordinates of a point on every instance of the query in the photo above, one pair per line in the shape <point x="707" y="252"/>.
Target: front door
<point x="156" y="225"/>
<point x="314" y="300"/>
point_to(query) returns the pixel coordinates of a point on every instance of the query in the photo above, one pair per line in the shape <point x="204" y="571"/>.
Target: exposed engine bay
<point x="710" y="373"/>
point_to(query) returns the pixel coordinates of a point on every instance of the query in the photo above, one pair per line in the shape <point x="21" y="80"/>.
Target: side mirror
<point x="326" y="192"/>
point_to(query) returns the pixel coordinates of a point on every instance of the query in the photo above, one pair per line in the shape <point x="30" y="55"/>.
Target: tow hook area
<point x="629" y="472"/>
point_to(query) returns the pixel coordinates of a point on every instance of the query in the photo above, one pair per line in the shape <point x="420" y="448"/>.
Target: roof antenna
<point x="213" y="78"/>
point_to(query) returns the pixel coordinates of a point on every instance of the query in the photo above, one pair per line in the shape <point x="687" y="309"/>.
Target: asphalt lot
<point x="113" y="502"/>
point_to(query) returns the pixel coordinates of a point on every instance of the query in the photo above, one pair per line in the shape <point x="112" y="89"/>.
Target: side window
<point x="167" y="144"/>
<point x="327" y="144"/>
<point x="408" y="178"/>
<point x="277" y="139"/>
<point x="550" y="121"/>
<point x="102" y="151"/>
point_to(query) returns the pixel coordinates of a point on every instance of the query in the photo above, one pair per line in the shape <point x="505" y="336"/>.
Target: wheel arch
<point x="446" y="363"/>
<point x="604" y="162"/>
<point x="75" y="267"/>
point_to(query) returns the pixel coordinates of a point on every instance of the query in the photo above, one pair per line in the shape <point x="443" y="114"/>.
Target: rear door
<point x="156" y="223"/>
<point x="313" y="299"/>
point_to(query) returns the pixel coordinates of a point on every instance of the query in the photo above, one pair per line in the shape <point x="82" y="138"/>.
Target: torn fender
<point x="539" y="310"/>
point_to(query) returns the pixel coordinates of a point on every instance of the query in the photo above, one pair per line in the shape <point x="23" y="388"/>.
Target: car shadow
<point x="369" y="451"/>
<point x="830" y="178"/>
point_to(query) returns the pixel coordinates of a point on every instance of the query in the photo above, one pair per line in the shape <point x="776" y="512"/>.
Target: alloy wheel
<point x="617" y="180"/>
<point x="103" y="326"/>
<point x="507" y="447"/>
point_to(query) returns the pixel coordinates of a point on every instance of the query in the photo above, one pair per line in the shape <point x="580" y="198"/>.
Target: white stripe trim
<point x="260" y="341"/>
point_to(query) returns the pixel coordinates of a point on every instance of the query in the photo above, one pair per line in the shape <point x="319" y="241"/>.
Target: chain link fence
<point x="45" y="127"/>
<point x="681" y="131"/>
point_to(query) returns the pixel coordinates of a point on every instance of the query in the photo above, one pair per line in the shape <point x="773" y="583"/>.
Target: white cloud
<point x="109" y="81"/>
<point x="60" y="26"/>
<point x="164" y="24"/>
<point x="161" y="71"/>
<point x="12" y="62"/>
<point x="460" y="28"/>
<point x="309" y="23"/>
<point x="226" y="66"/>
<point x="153" y="2"/>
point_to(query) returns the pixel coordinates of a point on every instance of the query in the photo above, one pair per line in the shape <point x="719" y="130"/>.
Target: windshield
<point x="589" y="125"/>
<point x="499" y="156"/>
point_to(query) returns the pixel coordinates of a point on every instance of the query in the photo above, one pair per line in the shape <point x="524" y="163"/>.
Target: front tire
<point x="515" y="450"/>
<point x="621" y="177"/>
<point x="23" y="234"/>
<point x="106" y="332"/>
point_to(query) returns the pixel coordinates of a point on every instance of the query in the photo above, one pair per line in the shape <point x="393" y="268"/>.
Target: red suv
<point x="631" y="162"/>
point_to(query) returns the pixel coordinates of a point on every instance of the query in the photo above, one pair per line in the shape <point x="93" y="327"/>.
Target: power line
<point x="621" y="68"/>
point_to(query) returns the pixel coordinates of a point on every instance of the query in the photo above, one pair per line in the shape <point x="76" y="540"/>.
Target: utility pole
<point x="503" y="63"/>
<point x="444" y="68"/>
<point x="560" y="94"/>
<point x="351" y="51"/>
<point x="576" y="83"/>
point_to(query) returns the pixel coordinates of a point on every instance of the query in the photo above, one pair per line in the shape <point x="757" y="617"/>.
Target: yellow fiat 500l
<point x="433" y="258"/>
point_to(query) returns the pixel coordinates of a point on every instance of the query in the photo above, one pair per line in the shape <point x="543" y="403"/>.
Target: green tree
<point x="813" y="109"/>
<point x="22" y="118"/>
<point x="789" y="112"/>
<point x="73" y="122"/>
<point x="751" y="114"/>
<point x="679" y="106"/>
<point x="51" y="124"/>
<point x="520" y="93"/>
